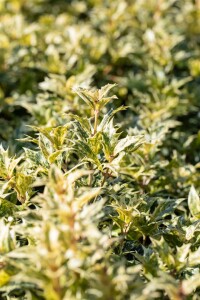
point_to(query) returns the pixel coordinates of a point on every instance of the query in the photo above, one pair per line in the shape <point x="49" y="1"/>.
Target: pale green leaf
<point x="126" y="142"/>
<point x="194" y="202"/>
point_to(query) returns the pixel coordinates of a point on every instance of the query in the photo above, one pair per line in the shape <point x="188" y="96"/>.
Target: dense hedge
<point x="99" y="156"/>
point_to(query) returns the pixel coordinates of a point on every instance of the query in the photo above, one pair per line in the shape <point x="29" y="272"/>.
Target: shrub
<point x="99" y="156"/>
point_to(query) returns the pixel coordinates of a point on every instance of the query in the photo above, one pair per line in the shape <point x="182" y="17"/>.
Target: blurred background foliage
<point x="48" y="51"/>
<point x="151" y="49"/>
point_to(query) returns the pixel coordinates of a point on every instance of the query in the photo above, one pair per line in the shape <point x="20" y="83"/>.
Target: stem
<point x="90" y="180"/>
<point x="96" y="115"/>
<point x="107" y="174"/>
<point x="56" y="285"/>
<point x="105" y="177"/>
<point x="158" y="10"/>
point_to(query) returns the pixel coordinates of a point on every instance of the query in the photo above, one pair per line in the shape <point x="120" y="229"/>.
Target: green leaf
<point x="84" y="122"/>
<point x="96" y="99"/>
<point x="7" y="164"/>
<point x="107" y="118"/>
<point x="86" y="95"/>
<point x="95" y="143"/>
<point x="194" y="258"/>
<point x="102" y="93"/>
<point x="107" y="147"/>
<point x="45" y="146"/>
<point x="136" y="141"/>
<point x="23" y="186"/>
<point x="4" y="278"/>
<point x="87" y="154"/>
<point x="194" y="202"/>
<point x="105" y="89"/>
<point x="86" y="197"/>
<point x="59" y="135"/>
<point x="52" y="158"/>
<point x="7" y="238"/>
<point x="6" y="208"/>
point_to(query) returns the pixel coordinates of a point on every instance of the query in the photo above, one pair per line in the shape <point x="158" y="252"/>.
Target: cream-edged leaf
<point x="194" y="202"/>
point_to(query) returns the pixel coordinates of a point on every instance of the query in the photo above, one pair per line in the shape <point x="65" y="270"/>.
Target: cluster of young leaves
<point x="99" y="193"/>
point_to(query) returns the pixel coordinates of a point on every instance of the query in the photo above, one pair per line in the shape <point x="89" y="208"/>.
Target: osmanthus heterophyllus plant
<point x="98" y="139"/>
<point x="136" y="235"/>
<point x="94" y="139"/>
